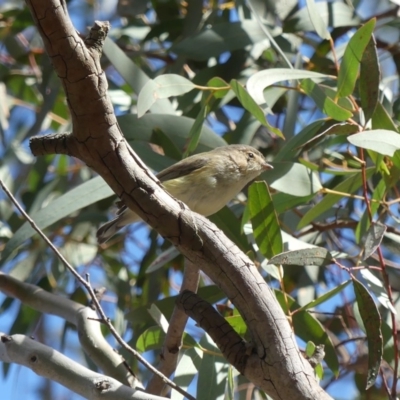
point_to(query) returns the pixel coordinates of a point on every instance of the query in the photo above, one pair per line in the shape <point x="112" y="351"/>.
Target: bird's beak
<point x="267" y="166"/>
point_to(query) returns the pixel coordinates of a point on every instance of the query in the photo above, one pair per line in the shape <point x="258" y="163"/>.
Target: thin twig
<point x="87" y="285"/>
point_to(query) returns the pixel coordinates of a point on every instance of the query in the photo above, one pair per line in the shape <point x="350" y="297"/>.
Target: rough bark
<point x="276" y="365"/>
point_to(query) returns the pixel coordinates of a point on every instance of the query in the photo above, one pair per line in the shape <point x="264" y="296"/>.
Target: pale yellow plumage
<point x="206" y="182"/>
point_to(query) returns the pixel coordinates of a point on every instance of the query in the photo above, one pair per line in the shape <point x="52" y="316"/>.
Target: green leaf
<point x="258" y="82"/>
<point x="213" y="373"/>
<point x="266" y="228"/>
<point x="334" y="14"/>
<point x="310" y="348"/>
<point x="319" y="371"/>
<point x="217" y="82"/>
<point x="219" y="38"/>
<point x="140" y="314"/>
<point x="364" y="223"/>
<point x="230" y="385"/>
<point x="317" y="20"/>
<point x="376" y="286"/>
<point x="79" y="254"/>
<point x="153" y="338"/>
<point x="324" y="102"/>
<point x="291" y="149"/>
<point x="372" y="323"/>
<point x="186" y="371"/>
<point x="368" y="84"/>
<point x="317" y="256"/>
<point x="335" y="129"/>
<point x="162" y="87"/>
<point x="226" y="220"/>
<point x="238" y="324"/>
<point x="252" y="107"/>
<point x="373" y="239"/>
<point x="308" y="328"/>
<point x="352" y="58"/>
<point x="158" y="317"/>
<point x="284" y="202"/>
<point x="292" y="178"/>
<point x="162" y="259"/>
<point x="132" y="74"/>
<point x="83" y="195"/>
<point x="176" y="128"/>
<point x="195" y="131"/>
<point x="348" y="186"/>
<point x="326" y="296"/>
<point x="170" y="149"/>
<point x="380" y="140"/>
<point x="382" y="120"/>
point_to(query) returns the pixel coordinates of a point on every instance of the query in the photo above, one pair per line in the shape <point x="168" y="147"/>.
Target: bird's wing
<point x="182" y="168"/>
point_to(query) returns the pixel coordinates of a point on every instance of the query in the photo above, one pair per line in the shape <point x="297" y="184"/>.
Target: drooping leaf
<point x="373" y="239"/>
<point x="266" y="228"/>
<point x="317" y="20"/>
<point x="252" y="107"/>
<point x="213" y="373"/>
<point x="376" y="286"/>
<point x="369" y="79"/>
<point x="364" y="223"/>
<point x="352" y="58"/>
<point x="187" y="369"/>
<point x="196" y="129"/>
<point x="372" y="323"/>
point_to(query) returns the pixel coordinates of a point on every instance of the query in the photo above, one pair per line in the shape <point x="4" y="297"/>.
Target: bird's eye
<point x="251" y="155"/>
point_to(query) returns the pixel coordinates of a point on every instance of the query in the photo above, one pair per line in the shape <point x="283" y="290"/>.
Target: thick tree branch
<point x="96" y="139"/>
<point x="89" y="332"/>
<point x="173" y="338"/>
<point x="53" y="365"/>
<point x="228" y="341"/>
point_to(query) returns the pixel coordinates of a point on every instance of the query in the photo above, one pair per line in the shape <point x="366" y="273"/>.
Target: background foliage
<point x="315" y="74"/>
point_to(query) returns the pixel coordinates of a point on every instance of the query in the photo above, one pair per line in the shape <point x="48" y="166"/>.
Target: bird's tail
<point x="110" y="228"/>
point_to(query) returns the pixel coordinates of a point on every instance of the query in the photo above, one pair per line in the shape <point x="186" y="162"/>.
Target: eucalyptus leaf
<point x="372" y="323"/>
<point x="352" y="58"/>
<point x="258" y="82"/>
<point x="380" y="140"/>
<point x="316" y="256"/>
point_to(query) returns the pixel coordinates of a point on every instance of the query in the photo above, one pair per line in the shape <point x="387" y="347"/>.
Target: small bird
<point x="205" y="182"/>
